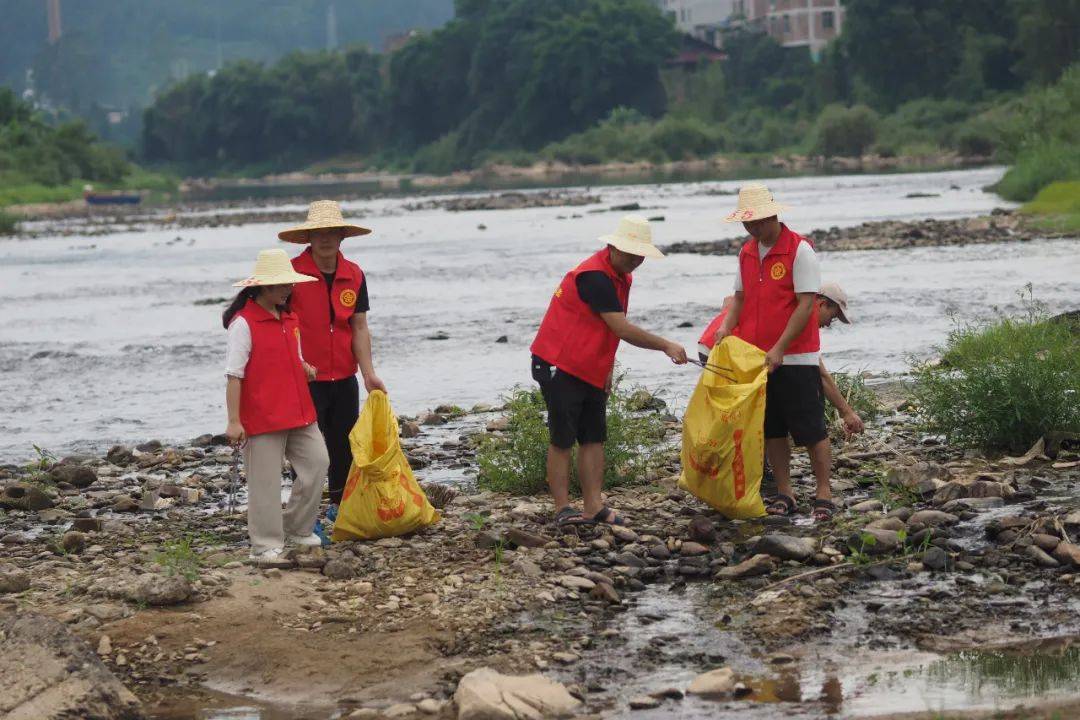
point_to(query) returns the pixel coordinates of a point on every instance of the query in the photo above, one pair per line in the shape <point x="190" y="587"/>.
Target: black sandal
<point x="780" y="505"/>
<point x="608" y="516"/>
<point x="570" y="516"/>
<point x="823" y="510"/>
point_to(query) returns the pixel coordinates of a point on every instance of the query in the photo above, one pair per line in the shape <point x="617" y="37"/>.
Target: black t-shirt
<point x="362" y="304"/>
<point x="598" y="292"/>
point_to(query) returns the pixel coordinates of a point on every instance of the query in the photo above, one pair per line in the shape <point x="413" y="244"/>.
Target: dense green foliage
<point x="1002" y="385"/>
<point x="503" y="74"/>
<point x="1040" y="135"/>
<point x="41" y="162"/>
<point x="516" y="461"/>
<point x="307" y="106"/>
<point x="117" y="54"/>
<point x="588" y="81"/>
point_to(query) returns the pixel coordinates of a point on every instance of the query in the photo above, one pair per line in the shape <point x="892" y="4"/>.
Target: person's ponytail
<point x="238" y="303"/>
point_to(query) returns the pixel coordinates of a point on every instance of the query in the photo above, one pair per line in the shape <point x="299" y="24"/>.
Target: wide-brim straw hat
<point x="633" y="236"/>
<point x="273" y="268"/>
<point x="322" y="215"/>
<point x="755" y="203"/>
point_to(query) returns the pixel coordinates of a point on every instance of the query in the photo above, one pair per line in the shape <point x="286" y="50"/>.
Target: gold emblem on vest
<point x="777" y="271"/>
<point x="347" y="298"/>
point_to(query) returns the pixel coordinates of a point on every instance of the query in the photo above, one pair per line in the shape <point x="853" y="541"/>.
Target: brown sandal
<point x="823" y="510"/>
<point x="780" y="504"/>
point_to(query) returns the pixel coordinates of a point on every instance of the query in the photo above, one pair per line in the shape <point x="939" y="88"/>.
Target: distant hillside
<point x="115" y="54"/>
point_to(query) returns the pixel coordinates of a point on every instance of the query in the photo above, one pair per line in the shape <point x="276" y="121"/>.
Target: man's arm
<point x="853" y="424"/>
<point x="361" y="346"/>
<point x="795" y="325"/>
<point x="732" y="319"/>
<point x="637" y="337"/>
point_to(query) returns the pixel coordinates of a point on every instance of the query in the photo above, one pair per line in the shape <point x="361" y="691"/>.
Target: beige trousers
<point x="263" y="455"/>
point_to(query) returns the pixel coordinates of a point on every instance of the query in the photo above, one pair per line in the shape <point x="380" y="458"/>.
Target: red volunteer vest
<point x="327" y="341"/>
<point x="708" y="338"/>
<point x="274" y="392"/>
<point x="769" y="295"/>
<point x="572" y="337"/>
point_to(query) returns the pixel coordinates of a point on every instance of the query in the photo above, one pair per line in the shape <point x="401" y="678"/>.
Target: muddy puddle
<point x="670" y="637"/>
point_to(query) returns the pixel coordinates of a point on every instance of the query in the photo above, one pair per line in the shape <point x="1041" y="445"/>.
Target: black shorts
<point x="795" y="404"/>
<point x="577" y="411"/>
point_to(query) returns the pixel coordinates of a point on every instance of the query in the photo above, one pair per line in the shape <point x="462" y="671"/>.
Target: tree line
<point x="519" y="75"/>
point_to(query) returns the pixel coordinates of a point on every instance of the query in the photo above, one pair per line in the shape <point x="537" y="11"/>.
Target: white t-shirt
<point x="806" y="275"/>
<point x="238" y="347"/>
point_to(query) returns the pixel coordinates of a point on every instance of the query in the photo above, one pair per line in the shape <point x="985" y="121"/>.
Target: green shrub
<point x="1039" y="166"/>
<point x="845" y="131"/>
<point x="1002" y="385"/>
<point x="516" y="461"/>
<point x="975" y="141"/>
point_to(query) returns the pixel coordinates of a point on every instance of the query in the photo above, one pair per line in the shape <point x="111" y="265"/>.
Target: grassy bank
<point x="1056" y="208"/>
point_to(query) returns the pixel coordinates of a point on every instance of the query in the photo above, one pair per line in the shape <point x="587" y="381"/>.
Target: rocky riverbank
<point x="1000" y="226"/>
<point x="936" y="549"/>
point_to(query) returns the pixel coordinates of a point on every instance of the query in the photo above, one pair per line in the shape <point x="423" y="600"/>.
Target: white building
<point x="701" y="18"/>
<point x="793" y="23"/>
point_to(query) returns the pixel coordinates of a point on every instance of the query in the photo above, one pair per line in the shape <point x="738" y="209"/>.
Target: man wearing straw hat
<point x="334" y="331"/>
<point x="831" y="305"/>
<point x="774" y="308"/>
<point x="573" y="357"/>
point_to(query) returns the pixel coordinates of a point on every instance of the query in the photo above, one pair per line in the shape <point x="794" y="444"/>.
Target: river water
<point x="103" y="340"/>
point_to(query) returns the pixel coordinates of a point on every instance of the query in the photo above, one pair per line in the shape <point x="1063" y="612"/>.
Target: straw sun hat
<point x="273" y="268"/>
<point x="633" y="236"/>
<point x="755" y="203"/>
<point x="322" y="215"/>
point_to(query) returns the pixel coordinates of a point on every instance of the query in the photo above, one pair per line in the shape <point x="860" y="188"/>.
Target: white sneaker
<point x="274" y="557"/>
<point x="311" y="540"/>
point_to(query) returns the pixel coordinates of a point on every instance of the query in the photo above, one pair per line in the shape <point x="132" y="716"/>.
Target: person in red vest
<point x="773" y="308"/>
<point x="831" y="305"/>
<point x="573" y="358"/>
<point x="333" y="324"/>
<point x="270" y="409"/>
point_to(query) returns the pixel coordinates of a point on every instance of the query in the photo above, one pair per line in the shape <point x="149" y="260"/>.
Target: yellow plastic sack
<point x="382" y="497"/>
<point x="724" y="431"/>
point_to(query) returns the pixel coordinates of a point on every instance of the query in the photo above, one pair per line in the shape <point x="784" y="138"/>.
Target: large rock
<point x="1067" y="554"/>
<point x="786" y="547"/>
<point x="917" y="475"/>
<point x="486" y="695"/>
<point x="759" y="564"/>
<point x="932" y="518"/>
<point x="883" y="543"/>
<point x="79" y="476"/>
<point x="520" y="538"/>
<point x="1039" y="557"/>
<point x="714" y="682"/>
<point x="46" y="673"/>
<point x="12" y="579"/>
<point x="160" y="590"/>
<point x="25" y="497"/>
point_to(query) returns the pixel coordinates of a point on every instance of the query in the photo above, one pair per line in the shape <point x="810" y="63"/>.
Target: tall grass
<point x="516" y="461"/>
<point x="1004" y="384"/>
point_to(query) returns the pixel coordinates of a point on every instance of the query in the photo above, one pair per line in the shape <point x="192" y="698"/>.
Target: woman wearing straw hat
<point x="573" y="357"/>
<point x="333" y="324"/>
<point x="774" y="308"/>
<point x="270" y="409"/>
